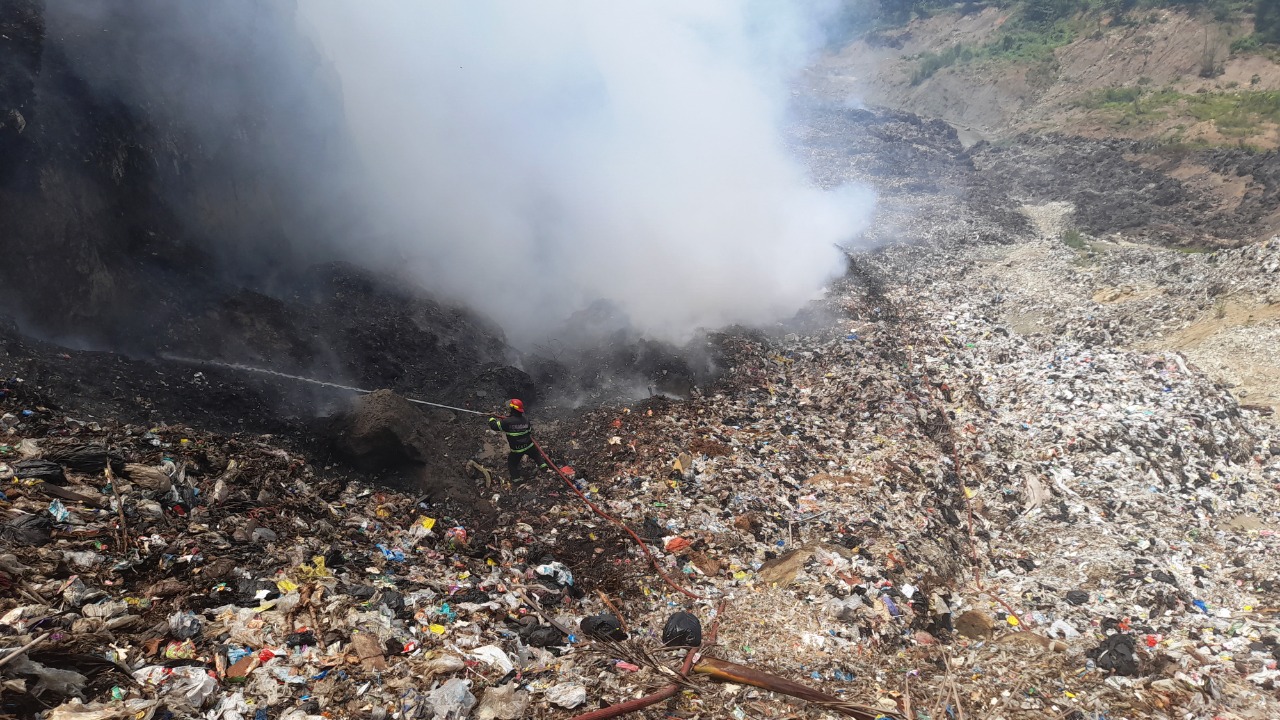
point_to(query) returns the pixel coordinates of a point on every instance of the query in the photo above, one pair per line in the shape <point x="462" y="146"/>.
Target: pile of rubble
<point x="1126" y="293"/>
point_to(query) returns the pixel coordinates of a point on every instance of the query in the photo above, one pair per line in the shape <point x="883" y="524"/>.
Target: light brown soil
<point x="1237" y="342"/>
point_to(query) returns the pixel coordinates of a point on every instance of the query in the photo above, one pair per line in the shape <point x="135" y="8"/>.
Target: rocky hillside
<point x="1167" y="74"/>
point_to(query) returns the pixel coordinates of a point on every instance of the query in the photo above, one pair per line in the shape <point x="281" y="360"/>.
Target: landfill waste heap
<point x="968" y="482"/>
<point x="911" y="508"/>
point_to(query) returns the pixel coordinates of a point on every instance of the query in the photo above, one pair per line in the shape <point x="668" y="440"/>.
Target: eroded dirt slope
<point x="995" y="97"/>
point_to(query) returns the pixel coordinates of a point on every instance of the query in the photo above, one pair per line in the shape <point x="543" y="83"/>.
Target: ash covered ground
<point x="980" y="476"/>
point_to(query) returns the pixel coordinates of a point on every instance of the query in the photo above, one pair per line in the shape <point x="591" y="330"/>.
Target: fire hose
<point x="241" y="367"/>
<point x="264" y="371"/>
<point x="728" y="672"/>
<point x="721" y="670"/>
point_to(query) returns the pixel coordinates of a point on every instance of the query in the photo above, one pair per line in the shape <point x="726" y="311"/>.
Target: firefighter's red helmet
<point x="516" y="404"/>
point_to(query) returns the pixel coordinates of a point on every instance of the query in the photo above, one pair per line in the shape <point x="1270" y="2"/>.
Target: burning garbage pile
<point x="913" y="513"/>
<point x="168" y="572"/>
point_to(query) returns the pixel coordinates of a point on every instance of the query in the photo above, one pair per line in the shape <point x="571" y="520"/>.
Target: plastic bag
<point x="20" y="617"/>
<point x="557" y="571"/>
<point x="106" y="609"/>
<point x="604" y="626"/>
<point x="184" y="625"/>
<point x="1063" y="629"/>
<point x="192" y="684"/>
<point x="135" y="709"/>
<point x="566" y="695"/>
<point x="493" y="655"/>
<point x="504" y="702"/>
<point x="152" y="479"/>
<point x="50" y="472"/>
<point x="445" y="664"/>
<point x="76" y="592"/>
<point x="392" y="554"/>
<point x="231" y="707"/>
<point x="82" y="558"/>
<point x="58" y="682"/>
<point x="453" y="700"/>
<point x="1117" y="654"/>
<point x="88" y="459"/>
<point x="185" y="650"/>
<point x="682" y="630"/>
<point x="58" y="511"/>
<point x="27" y="530"/>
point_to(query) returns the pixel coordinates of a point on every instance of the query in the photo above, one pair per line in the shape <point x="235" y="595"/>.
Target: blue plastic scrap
<point x="392" y="555"/>
<point x="891" y="605"/>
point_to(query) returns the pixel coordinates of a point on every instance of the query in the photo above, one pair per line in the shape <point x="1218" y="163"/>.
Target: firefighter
<point x="519" y="438"/>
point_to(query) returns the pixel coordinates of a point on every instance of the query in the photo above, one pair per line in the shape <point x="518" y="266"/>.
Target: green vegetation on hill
<point x="1044" y="13"/>
<point x="1235" y="110"/>
<point x="1029" y="38"/>
<point x="1266" y="21"/>
<point x="1015" y="43"/>
<point x="1232" y="113"/>
<point x="1036" y="27"/>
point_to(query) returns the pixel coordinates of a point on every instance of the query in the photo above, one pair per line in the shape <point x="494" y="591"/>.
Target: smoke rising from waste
<point x="529" y="159"/>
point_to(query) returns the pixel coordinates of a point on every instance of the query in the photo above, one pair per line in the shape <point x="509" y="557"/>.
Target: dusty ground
<point x="1236" y="342"/>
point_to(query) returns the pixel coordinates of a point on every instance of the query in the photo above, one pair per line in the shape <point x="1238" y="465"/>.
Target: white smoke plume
<point x="529" y="158"/>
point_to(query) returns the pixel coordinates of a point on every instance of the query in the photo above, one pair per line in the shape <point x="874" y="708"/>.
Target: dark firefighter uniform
<point x="519" y="434"/>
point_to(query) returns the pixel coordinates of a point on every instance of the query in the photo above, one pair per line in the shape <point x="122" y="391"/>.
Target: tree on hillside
<point x="901" y="11"/>
<point x="1047" y="12"/>
<point x="1119" y="7"/>
<point x="897" y="11"/>
<point x="1266" y="20"/>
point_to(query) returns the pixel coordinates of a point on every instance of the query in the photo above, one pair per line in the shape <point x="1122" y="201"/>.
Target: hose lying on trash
<point x="644" y="548"/>
<point x="640" y="703"/>
<point x="247" y="368"/>
<point x="726" y="671"/>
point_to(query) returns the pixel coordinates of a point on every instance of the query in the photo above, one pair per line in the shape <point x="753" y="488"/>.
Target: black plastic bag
<point x="27" y="530"/>
<point x="603" y="627"/>
<point x="45" y="470"/>
<point x="544" y="636"/>
<point x="88" y="459"/>
<point x="1116" y="654"/>
<point x="682" y="630"/>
